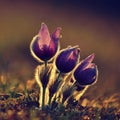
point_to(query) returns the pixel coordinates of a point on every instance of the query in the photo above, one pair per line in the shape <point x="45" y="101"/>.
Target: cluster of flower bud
<point x="61" y="75"/>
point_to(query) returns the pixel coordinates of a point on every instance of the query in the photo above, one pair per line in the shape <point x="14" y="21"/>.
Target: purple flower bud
<point x="43" y="46"/>
<point x="86" y="72"/>
<point x="67" y="59"/>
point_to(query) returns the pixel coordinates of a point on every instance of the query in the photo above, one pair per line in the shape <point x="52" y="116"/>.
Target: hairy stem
<point x="43" y="98"/>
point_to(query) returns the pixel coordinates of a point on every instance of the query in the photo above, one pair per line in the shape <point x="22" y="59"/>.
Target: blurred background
<point x="93" y="25"/>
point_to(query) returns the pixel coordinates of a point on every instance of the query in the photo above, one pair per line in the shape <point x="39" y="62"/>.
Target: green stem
<point x="43" y="98"/>
<point x="56" y="84"/>
<point x="58" y="77"/>
<point x="45" y="65"/>
<point x="43" y="88"/>
<point x="49" y="102"/>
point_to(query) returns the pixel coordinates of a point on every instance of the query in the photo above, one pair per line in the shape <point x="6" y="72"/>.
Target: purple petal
<point x="44" y="36"/>
<point x="44" y="52"/>
<point x="86" y="62"/>
<point x="43" y="47"/>
<point x="87" y="76"/>
<point x="67" y="59"/>
<point x="56" y="34"/>
<point x="89" y="58"/>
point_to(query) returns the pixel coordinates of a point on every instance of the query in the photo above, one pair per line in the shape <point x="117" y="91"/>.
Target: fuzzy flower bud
<point x="43" y="46"/>
<point x="67" y="59"/>
<point x="86" y="72"/>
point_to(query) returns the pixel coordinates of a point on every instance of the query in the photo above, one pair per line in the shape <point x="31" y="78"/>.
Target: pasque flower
<point x="43" y="46"/>
<point x="67" y="59"/>
<point x="86" y="72"/>
<point x="65" y="79"/>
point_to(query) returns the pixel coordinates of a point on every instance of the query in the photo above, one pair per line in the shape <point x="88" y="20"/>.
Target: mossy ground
<point x="24" y="105"/>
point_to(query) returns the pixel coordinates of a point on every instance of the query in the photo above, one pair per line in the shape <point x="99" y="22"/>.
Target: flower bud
<point x="86" y="72"/>
<point x="67" y="59"/>
<point x="43" y="46"/>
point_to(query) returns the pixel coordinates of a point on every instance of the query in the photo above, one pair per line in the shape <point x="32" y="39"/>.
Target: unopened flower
<point x="67" y="59"/>
<point x="86" y="72"/>
<point x="43" y="46"/>
<point x="57" y="87"/>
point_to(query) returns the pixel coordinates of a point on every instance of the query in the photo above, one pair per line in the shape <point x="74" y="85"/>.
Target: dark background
<point x="93" y="25"/>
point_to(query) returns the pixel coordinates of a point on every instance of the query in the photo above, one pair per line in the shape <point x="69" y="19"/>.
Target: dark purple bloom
<point x="43" y="46"/>
<point x="67" y="59"/>
<point x="86" y="72"/>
